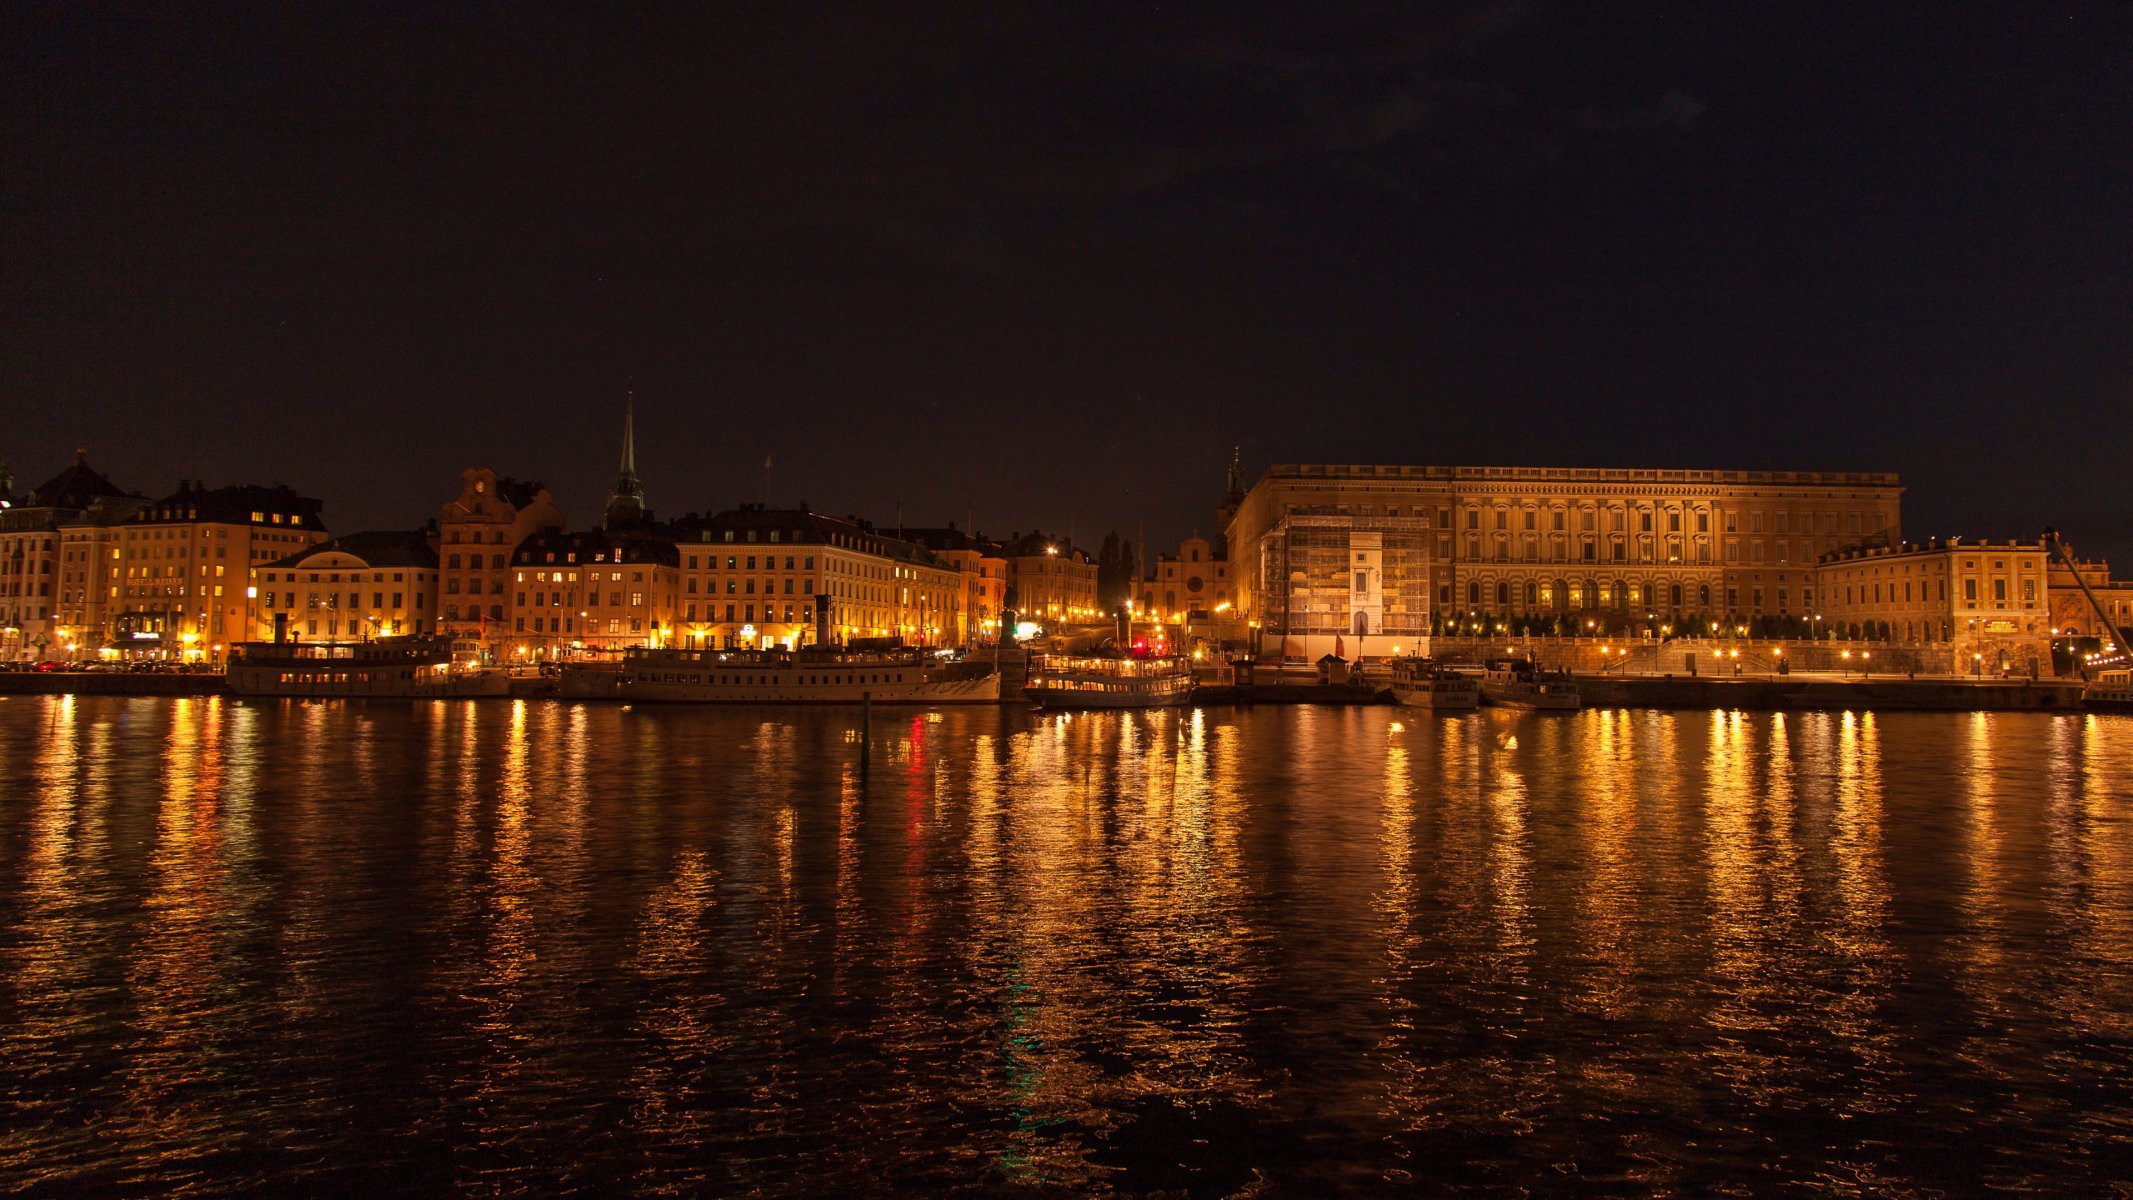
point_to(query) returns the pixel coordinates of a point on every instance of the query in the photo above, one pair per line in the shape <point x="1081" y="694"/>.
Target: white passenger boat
<point x="1427" y="683"/>
<point x="805" y="676"/>
<point x="403" y="666"/>
<point x="1517" y="683"/>
<point x="1108" y="681"/>
<point x="2110" y="691"/>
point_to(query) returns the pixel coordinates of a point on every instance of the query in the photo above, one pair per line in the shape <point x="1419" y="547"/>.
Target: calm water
<point x="497" y="948"/>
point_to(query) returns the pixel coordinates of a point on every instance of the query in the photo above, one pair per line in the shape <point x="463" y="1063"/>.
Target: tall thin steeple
<point x="626" y="503"/>
<point x="1233" y="499"/>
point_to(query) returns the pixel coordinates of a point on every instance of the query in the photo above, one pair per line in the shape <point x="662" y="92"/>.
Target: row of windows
<point x="331" y="577"/>
<point x="272" y="600"/>
<point x="1562" y="594"/>
<point x="570" y="625"/>
<point x="554" y="599"/>
<point x="746" y="613"/>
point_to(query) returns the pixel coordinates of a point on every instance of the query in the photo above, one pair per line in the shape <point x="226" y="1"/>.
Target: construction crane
<point x="2054" y="548"/>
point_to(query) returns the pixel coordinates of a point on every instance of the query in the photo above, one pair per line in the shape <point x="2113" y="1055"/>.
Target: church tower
<point x="625" y="505"/>
<point x="1233" y="499"/>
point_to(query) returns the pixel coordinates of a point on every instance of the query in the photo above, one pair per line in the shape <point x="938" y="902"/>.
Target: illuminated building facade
<point x="89" y="554"/>
<point x="1192" y="581"/>
<point x="983" y="574"/>
<point x="1987" y="600"/>
<point x="183" y="564"/>
<point x="352" y="588"/>
<point x="1320" y="551"/>
<point x="757" y="576"/>
<point x="479" y="531"/>
<point x="46" y="577"/>
<point x="1052" y="579"/>
<point x="595" y="593"/>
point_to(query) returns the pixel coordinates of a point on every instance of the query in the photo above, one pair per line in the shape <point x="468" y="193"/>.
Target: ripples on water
<point x="508" y="948"/>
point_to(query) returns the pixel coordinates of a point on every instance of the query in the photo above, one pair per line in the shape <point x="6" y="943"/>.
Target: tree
<point x="1115" y="573"/>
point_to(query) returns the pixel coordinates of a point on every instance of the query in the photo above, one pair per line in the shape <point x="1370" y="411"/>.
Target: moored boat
<point x="402" y="666"/>
<point x="809" y="675"/>
<point x="1427" y="683"/>
<point x="2110" y="691"/>
<point x="1517" y="683"/>
<point x="1108" y="681"/>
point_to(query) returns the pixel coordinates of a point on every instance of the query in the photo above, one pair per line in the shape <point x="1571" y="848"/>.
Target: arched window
<point x="1532" y="593"/>
<point x="452" y="561"/>
<point x="1562" y="594"/>
<point x="1621" y="594"/>
<point x="1674" y="595"/>
<point x="1503" y="594"/>
<point x="1592" y="594"/>
<point x="1473" y="592"/>
<point x="1703" y="596"/>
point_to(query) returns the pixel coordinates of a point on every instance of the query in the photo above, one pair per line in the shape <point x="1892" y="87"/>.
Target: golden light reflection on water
<point x="703" y="951"/>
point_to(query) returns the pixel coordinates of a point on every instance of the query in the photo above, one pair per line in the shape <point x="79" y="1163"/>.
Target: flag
<point x="1340" y="648"/>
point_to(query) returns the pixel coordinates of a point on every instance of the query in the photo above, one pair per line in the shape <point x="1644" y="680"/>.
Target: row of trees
<point x="1693" y="625"/>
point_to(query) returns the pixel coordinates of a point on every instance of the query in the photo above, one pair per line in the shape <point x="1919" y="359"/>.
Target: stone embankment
<point x="111" y="683"/>
<point x="1598" y="691"/>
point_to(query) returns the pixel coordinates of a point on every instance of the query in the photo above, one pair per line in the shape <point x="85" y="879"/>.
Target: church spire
<point x="626" y="504"/>
<point x="1233" y="499"/>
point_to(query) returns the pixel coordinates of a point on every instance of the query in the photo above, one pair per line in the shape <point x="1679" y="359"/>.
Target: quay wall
<point x="1599" y="691"/>
<point x="95" y="683"/>
<point x="1721" y="656"/>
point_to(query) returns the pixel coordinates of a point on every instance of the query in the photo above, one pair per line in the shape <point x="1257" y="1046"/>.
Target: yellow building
<point x="595" y="593"/>
<point x="1192" y="581"/>
<point x="1052" y="580"/>
<point x="757" y="576"/>
<point x="181" y="566"/>
<point x="983" y="573"/>
<point x="88" y="552"/>
<point x="479" y="531"/>
<point x="1986" y="601"/>
<point x="51" y="576"/>
<point x="352" y="588"/>
<point x="1324" y="550"/>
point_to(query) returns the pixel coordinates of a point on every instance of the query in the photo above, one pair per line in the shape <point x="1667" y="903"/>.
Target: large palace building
<point x="1320" y="551"/>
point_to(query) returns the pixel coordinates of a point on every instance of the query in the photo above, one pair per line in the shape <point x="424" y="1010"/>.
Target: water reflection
<point x="519" y="948"/>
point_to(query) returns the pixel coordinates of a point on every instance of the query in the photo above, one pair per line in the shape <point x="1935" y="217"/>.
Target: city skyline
<point x="1052" y="268"/>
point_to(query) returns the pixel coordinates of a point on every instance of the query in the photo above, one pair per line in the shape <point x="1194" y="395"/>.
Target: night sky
<point x="1051" y="265"/>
